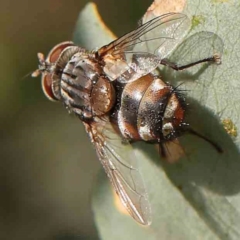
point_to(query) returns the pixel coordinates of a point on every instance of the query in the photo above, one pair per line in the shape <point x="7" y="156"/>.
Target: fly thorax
<point x="79" y="83"/>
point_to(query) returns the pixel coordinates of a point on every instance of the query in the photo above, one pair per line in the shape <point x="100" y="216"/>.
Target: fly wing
<point x="198" y="78"/>
<point x="198" y="46"/>
<point x="140" y="51"/>
<point x="119" y="162"/>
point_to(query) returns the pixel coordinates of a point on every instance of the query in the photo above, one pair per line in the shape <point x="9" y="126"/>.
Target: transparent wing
<point x="119" y="162"/>
<point x="198" y="46"/>
<point x="140" y="51"/>
<point x="197" y="78"/>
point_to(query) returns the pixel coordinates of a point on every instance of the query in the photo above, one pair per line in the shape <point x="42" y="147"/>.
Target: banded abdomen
<point x="150" y="110"/>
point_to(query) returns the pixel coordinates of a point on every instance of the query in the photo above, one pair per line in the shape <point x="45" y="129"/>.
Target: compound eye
<point x="47" y="86"/>
<point x="57" y="50"/>
<point x="52" y="58"/>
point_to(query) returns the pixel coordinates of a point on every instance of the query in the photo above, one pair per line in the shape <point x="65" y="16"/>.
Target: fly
<point x="119" y="99"/>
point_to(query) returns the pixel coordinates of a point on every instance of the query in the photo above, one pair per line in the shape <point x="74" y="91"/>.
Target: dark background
<point x="47" y="164"/>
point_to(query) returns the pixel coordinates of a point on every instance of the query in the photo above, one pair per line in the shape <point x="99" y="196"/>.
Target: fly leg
<point x="216" y="58"/>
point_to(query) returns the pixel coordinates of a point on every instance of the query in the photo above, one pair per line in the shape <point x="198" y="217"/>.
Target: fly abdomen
<point x="131" y="97"/>
<point x="150" y="110"/>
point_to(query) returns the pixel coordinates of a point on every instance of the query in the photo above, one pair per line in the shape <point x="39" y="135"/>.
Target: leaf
<point x="90" y="31"/>
<point x="198" y="197"/>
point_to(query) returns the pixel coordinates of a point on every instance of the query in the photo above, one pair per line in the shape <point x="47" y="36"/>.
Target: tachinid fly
<point x="120" y="100"/>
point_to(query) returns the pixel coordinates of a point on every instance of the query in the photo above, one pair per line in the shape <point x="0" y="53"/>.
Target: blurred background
<point x="47" y="163"/>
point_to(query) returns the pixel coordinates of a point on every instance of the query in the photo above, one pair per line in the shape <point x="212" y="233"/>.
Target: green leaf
<point x="198" y="197"/>
<point x="90" y="31"/>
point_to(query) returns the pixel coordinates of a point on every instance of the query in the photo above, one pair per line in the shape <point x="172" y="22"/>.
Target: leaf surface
<point x="198" y="197"/>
